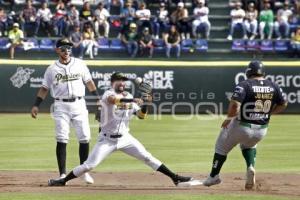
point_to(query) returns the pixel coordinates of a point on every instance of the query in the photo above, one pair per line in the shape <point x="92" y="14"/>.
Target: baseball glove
<point x="146" y="91"/>
<point x="145" y="88"/>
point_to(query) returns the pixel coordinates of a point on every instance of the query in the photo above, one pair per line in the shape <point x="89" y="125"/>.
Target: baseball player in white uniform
<point x="66" y="79"/>
<point x="118" y="107"/>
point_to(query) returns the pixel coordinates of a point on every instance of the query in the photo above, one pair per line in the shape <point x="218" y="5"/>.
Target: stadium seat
<point x="252" y="45"/>
<point x="35" y="42"/>
<point x="116" y="45"/>
<point x="4" y="43"/>
<point x="103" y="44"/>
<point x="201" y="45"/>
<point x="46" y="44"/>
<point x="238" y="45"/>
<point x="281" y="45"/>
<point x="186" y="45"/>
<point x="159" y="45"/>
<point x="266" y="45"/>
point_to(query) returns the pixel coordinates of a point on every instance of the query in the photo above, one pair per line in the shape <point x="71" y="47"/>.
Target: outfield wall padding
<point x="192" y="89"/>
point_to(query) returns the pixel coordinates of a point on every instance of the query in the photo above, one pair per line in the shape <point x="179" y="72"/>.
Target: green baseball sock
<point x="217" y="164"/>
<point x="249" y="155"/>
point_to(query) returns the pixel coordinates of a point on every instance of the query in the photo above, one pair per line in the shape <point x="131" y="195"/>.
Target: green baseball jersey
<point x="266" y="16"/>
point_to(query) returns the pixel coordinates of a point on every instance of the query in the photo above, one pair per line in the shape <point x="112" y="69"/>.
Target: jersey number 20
<point x="263" y="106"/>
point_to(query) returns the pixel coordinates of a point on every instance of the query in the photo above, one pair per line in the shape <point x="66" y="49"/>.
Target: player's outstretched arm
<point x="41" y="95"/>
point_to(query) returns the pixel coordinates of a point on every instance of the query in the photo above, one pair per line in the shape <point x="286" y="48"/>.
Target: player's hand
<point x="138" y="101"/>
<point x="225" y="123"/>
<point x="34" y="111"/>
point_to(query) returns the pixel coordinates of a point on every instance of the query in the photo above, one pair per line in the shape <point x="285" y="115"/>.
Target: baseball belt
<point x="245" y="124"/>
<point x="68" y="100"/>
<point x="112" y="136"/>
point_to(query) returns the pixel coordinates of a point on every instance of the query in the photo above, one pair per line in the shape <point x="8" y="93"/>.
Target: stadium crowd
<point x="84" y="22"/>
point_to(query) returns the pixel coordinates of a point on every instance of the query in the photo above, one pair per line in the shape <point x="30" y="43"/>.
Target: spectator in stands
<point x="130" y="39"/>
<point x="29" y="18"/>
<point x="201" y="19"/>
<point x="283" y="17"/>
<point x="72" y="18"/>
<point x="3" y="23"/>
<point x="85" y="14"/>
<point x="143" y="18"/>
<point x="128" y="13"/>
<point x="16" y="37"/>
<point x="180" y="18"/>
<point x="295" y="42"/>
<point x="119" y="3"/>
<point x="237" y="20"/>
<point x="162" y="20"/>
<point x="127" y="17"/>
<point x="145" y="42"/>
<point x="76" y="38"/>
<point x="251" y="20"/>
<point x="172" y="40"/>
<point x="44" y="16"/>
<point x="266" y="19"/>
<point x="89" y="42"/>
<point x="102" y="19"/>
<point x="59" y="19"/>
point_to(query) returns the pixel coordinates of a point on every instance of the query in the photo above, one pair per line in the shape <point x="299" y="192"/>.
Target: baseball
<point x="138" y="80"/>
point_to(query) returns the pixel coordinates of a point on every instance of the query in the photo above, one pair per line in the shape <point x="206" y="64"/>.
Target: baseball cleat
<point x="179" y="180"/>
<point x="212" y="181"/>
<point x="250" y="178"/>
<point x="56" y="182"/>
<point x="87" y="178"/>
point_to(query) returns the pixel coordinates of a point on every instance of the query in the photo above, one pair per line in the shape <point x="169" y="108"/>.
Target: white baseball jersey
<point x="67" y="81"/>
<point x="237" y="12"/>
<point x="115" y="118"/>
<point x="201" y="14"/>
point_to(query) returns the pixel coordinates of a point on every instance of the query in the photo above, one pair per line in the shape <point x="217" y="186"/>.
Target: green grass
<point x="185" y="146"/>
<point x="7" y="196"/>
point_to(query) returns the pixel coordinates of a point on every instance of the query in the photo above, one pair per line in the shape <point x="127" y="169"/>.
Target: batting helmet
<point x="255" y="68"/>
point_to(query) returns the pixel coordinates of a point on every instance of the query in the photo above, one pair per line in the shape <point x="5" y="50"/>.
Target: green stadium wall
<point x="190" y="89"/>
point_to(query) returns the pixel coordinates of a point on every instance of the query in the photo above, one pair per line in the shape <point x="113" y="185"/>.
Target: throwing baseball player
<point x="118" y="107"/>
<point x="250" y="109"/>
<point x="66" y="78"/>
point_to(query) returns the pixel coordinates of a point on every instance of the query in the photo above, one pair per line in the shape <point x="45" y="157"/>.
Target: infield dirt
<point x="287" y="185"/>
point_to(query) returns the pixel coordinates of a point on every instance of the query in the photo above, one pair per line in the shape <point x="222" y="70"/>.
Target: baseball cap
<point x="180" y="4"/>
<point x="162" y="4"/>
<point x="118" y="76"/>
<point x="63" y="42"/>
<point x="132" y="25"/>
<point x="145" y="29"/>
<point x="16" y="25"/>
<point x="202" y="1"/>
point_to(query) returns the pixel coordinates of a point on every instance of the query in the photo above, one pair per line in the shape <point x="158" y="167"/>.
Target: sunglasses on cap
<point x="65" y="48"/>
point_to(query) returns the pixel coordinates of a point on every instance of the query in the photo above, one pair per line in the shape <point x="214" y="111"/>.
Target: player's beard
<point x="65" y="56"/>
<point x="119" y="87"/>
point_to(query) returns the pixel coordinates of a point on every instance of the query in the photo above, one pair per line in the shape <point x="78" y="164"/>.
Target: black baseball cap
<point x="63" y="42"/>
<point x="118" y="76"/>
